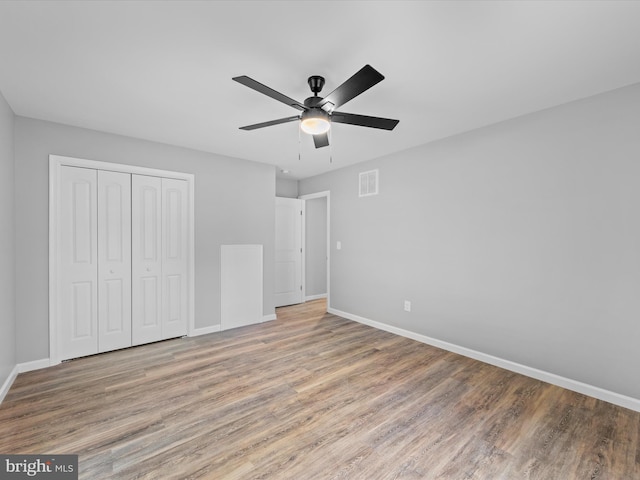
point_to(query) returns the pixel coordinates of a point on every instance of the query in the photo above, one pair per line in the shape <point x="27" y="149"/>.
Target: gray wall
<point x="234" y="204"/>
<point x="7" y="244"/>
<point x="286" y="187"/>
<point x="316" y="246"/>
<point x="519" y="240"/>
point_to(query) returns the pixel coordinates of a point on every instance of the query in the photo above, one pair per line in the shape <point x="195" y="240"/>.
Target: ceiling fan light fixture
<point x="315" y="122"/>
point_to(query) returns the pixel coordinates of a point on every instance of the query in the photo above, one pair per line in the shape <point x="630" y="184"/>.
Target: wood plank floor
<point x="312" y="396"/>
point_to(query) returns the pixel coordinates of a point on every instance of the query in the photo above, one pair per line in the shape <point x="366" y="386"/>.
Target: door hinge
<point x="300" y="287"/>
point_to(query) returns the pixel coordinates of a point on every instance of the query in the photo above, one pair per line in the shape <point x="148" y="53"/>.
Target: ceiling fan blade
<point x="272" y="122"/>
<point x="321" y="140"/>
<point x="363" y="80"/>
<point x="364" y="120"/>
<point x="269" y="92"/>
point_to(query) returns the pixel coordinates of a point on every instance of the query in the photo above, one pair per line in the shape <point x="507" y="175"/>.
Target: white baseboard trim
<point x="574" y="385"/>
<point x="21" y="368"/>
<point x="34" y="365"/>
<point x="204" y="330"/>
<point x="308" y="298"/>
<point x="8" y="382"/>
<point x="268" y="318"/>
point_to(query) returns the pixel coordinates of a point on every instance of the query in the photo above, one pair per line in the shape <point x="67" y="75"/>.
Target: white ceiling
<point x="162" y="70"/>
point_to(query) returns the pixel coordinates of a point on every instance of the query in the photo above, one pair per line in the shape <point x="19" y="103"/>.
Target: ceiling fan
<point x="317" y="112"/>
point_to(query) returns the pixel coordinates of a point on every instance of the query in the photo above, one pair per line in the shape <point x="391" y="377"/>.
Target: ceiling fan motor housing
<point x="312" y="102"/>
<point x="317" y="113"/>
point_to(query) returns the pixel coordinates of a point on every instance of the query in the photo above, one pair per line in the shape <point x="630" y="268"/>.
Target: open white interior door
<point x="288" y="285"/>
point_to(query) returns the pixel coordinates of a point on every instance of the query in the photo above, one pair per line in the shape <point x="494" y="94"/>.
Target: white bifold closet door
<point x="146" y="276"/>
<point x="123" y="260"/>
<point x="175" y="263"/>
<point x="159" y="258"/>
<point x="95" y="250"/>
<point x="114" y="260"/>
<point x="78" y="258"/>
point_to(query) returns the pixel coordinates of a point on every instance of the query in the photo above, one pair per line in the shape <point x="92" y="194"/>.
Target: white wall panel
<point x="241" y="280"/>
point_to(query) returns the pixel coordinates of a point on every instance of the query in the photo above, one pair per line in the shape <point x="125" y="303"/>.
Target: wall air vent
<point x="368" y="183"/>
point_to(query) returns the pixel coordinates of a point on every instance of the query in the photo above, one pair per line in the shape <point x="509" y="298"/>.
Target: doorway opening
<point x="316" y="247"/>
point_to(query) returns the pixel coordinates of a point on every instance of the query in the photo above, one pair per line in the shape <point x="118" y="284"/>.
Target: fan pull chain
<point x="299" y="142"/>
<point x="330" y="146"/>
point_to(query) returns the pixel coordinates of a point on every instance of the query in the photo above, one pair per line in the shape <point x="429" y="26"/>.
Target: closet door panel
<point x="175" y="243"/>
<point x="114" y="266"/>
<point x="146" y="234"/>
<point x="77" y="333"/>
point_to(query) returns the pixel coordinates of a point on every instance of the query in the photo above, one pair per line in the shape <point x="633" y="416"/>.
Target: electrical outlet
<point x="407" y="306"/>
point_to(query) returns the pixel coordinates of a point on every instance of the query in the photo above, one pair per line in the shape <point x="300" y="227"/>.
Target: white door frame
<point x="58" y="161"/>
<point x="311" y="196"/>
